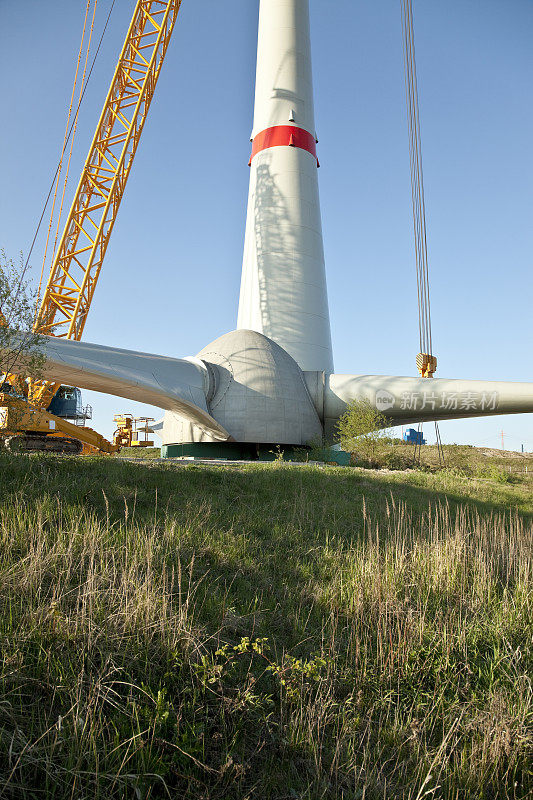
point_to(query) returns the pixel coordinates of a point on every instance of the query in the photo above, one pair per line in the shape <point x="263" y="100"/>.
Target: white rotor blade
<point x="407" y="400"/>
<point x="175" y="384"/>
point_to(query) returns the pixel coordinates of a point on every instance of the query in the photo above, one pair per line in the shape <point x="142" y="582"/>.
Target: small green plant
<point x="278" y="453"/>
<point x="296" y="675"/>
<point x="293" y="674"/>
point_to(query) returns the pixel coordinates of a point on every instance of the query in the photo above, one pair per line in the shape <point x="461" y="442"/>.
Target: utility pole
<point x="503" y="443"/>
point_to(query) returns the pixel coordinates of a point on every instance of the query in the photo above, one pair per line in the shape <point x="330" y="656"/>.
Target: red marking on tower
<point x="284" y="136"/>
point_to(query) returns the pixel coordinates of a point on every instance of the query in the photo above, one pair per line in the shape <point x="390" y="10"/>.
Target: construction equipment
<point x="28" y="429"/>
<point x="132" y="431"/>
<point x="76" y="267"/>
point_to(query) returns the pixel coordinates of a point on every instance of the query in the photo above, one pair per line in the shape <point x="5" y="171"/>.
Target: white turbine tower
<point x="283" y="287"/>
<point x="271" y="381"/>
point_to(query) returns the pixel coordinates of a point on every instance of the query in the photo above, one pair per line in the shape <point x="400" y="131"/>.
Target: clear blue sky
<point x="171" y="278"/>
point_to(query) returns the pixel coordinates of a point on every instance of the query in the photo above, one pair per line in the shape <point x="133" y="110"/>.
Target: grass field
<point x="265" y="631"/>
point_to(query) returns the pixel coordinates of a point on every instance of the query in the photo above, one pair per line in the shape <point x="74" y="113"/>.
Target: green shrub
<point x="493" y="472"/>
<point x="361" y="432"/>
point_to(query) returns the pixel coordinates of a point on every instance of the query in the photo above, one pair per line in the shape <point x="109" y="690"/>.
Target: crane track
<point x="34" y="443"/>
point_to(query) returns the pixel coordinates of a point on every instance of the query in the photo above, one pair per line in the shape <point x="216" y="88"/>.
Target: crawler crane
<point x="25" y="419"/>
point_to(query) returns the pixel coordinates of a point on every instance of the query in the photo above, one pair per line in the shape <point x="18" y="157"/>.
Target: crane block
<point x="427" y="364"/>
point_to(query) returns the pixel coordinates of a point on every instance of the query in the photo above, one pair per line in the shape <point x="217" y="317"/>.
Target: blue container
<point x="412" y="436"/>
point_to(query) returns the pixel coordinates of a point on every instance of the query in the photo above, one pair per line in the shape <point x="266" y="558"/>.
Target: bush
<point x="492" y="472"/>
<point x="20" y="347"/>
<point x="362" y="432"/>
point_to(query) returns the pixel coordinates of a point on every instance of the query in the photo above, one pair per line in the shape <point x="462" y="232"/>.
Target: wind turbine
<point x="271" y="381"/>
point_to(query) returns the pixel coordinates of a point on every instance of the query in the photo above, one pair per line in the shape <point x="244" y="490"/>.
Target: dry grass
<point x="265" y="632"/>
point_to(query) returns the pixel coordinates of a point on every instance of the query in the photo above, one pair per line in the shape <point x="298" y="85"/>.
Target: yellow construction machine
<point x="27" y="429"/>
<point x="132" y="431"/>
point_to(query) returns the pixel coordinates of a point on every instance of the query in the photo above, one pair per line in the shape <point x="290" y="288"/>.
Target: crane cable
<point x="425" y="360"/>
<point x="72" y="138"/>
<point x="51" y="189"/>
<point x="82" y="86"/>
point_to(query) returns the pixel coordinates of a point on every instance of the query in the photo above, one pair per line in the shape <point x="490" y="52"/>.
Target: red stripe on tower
<point x="284" y="136"/>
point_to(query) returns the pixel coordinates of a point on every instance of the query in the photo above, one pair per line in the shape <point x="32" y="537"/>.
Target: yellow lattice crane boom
<point x="77" y="264"/>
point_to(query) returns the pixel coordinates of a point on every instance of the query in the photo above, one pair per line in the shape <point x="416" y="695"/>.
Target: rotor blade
<point x="406" y="400"/>
<point x="174" y="384"/>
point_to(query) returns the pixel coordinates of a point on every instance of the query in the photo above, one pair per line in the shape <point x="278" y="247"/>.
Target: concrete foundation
<point x="233" y="451"/>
